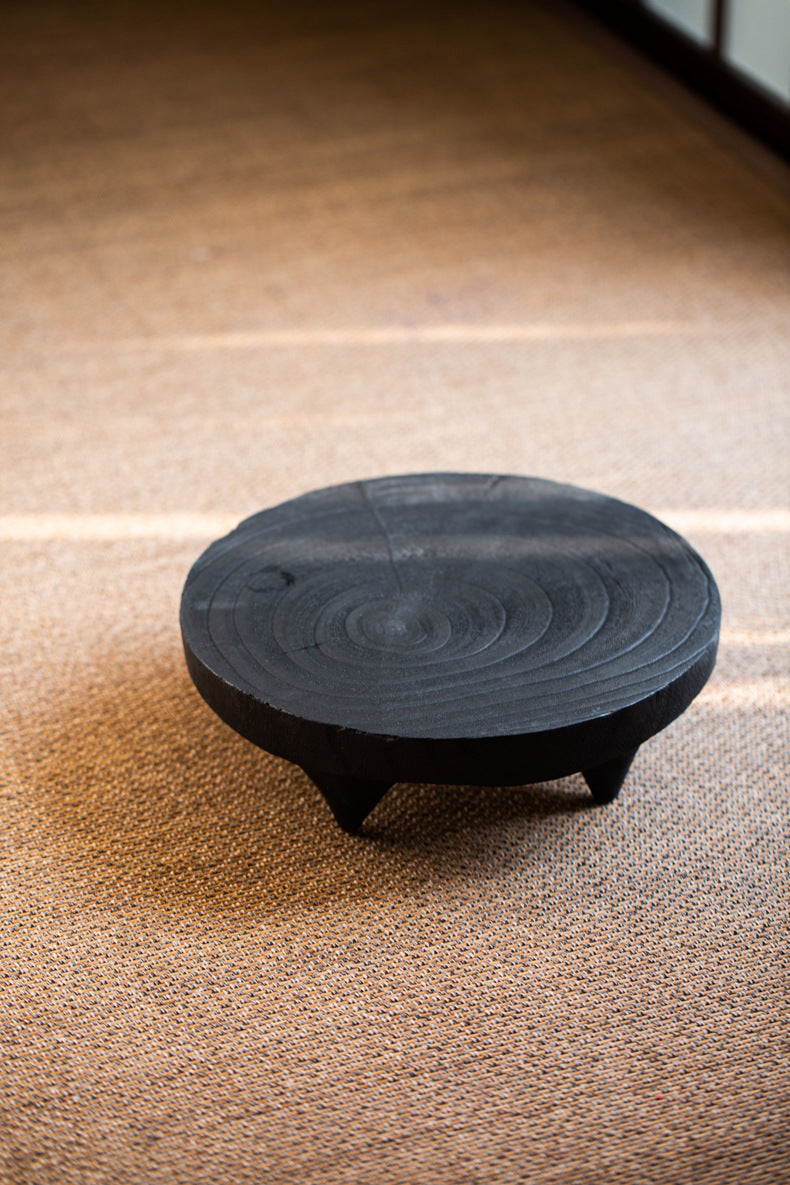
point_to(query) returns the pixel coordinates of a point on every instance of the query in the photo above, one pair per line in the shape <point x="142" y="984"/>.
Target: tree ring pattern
<point x="450" y="606"/>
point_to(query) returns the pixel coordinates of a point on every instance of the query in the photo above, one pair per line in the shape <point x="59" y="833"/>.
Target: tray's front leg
<point x="605" y="780"/>
<point x="350" y="799"/>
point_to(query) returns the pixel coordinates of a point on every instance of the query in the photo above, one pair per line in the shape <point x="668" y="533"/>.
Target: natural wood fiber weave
<point x="250" y="250"/>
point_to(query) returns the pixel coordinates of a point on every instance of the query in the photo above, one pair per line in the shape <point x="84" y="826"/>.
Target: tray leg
<point x="605" y="780"/>
<point x="350" y="799"/>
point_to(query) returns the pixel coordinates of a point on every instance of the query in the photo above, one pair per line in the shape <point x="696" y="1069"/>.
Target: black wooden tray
<point x="461" y="629"/>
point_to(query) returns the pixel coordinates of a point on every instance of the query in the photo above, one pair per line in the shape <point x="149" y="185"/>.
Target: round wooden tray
<point x="453" y="628"/>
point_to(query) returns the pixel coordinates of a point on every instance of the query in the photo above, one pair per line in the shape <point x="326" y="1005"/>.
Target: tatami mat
<point x="252" y="249"/>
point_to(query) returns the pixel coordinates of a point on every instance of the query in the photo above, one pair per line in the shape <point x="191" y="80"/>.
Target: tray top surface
<point x="449" y="605"/>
